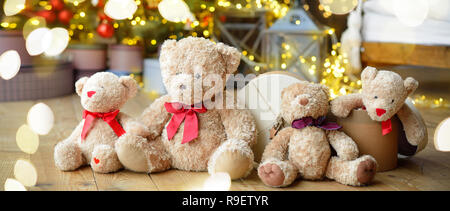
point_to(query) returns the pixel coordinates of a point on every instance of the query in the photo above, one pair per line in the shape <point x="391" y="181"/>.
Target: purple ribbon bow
<point x="319" y="122"/>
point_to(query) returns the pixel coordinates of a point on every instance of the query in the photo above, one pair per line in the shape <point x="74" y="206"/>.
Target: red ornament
<point x="105" y="30"/>
<point x="103" y="16"/>
<point x="57" y="4"/>
<point x="65" y="16"/>
<point x="223" y="18"/>
<point x="49" y="15"/>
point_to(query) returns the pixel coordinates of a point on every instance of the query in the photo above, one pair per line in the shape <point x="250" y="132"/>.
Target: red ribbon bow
<point x="109" y="118"/>
<point x="386" y="127"/>
<point x="189" y="116"/>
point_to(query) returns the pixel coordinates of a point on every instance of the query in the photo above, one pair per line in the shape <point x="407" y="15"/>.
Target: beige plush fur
<point x="385" y="90"/>
<point x="98" y="150"/>
<point x="225" y="135"/>
<point x="306" y="152"/>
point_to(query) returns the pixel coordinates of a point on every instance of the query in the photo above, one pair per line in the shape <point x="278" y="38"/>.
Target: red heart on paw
<point x="96" y="161"/>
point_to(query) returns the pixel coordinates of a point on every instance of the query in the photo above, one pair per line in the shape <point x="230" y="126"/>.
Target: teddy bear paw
<point x="366" y="171"/>
<point x="131" y="152"/>
<point x="234" y="157"/>
<point x="104" y="159"/>
<point x="271" y="174"/>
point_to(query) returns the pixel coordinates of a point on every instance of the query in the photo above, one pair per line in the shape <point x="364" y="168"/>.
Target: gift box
<point x="152" y="77"/>
<point x="370" y="140"/>
<point x="38" y="82"/>
<point x="13" y="40"/>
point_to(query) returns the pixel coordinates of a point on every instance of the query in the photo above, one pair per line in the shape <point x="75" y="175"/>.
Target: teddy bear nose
<point x="90" y="93"/>
<point x="304" y="101"/>
<point x="182" y="86"/>
<point x="380" y="111"/>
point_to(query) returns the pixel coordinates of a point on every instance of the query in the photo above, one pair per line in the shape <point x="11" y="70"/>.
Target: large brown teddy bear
<point x="383" y="96"/>
<point x="303" y="149"/>
<point x="186" y="134"/>
<point x="92" y="142"/>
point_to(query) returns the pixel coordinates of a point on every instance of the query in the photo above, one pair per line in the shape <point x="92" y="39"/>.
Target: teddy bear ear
<point x="325" y="89"/>
<point x="231" y="56"/>
<point x="80" y="84"/>
<point x="369" y="73"/>
<point x="410" y="85"/>
<point x="168" y="45"/>
<point x="130" y="84"/>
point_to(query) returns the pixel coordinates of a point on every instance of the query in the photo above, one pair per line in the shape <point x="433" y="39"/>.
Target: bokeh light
<point x="52" y="42"/>
<point x="442" y="136"/>
<point x="339" y="7"/>
<point x="12" y="7"/>
<point x="13" y="185"/>
<point x="25" y="173"/>
<point x="58" y="38"/>
<point x="411" y="12"/>
<point x="219" y="181"/>
<point x="40" y="119"/>
<point x="75" y="1"/>
<point x="35" y="42"/>
<point x="9" y="64"/>
<point x="32" y="24"/>
<point x="27" y="140"/>
<point x="120" y="9"/>
<point x="175" y="10"/>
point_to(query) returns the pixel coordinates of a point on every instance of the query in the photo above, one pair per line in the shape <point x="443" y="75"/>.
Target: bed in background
<point x="406" y="32"/>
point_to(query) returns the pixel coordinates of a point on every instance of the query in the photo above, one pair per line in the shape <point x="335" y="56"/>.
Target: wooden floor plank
<point x="429" y="170"/>
<point x="49" y="177"/>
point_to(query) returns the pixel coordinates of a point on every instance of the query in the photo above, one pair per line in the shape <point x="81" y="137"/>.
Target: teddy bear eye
<point x="392" y="101"/>
<point x="376" y="97"/>
<point x="197" y="76"/>
<point x="177" y="73"/>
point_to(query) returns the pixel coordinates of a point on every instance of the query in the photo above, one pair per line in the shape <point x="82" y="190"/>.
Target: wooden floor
<point x="429" y="170"/>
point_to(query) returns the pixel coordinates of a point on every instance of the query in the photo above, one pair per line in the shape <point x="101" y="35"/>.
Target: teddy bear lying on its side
<point x="184" y="133"/>
<point x="304" y="148"/>
<point x="383" y="96"/>
<point x="93" y="140"/>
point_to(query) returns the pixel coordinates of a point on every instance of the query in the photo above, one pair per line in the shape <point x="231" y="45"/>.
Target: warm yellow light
<point x="27" y="140"/>
<point x="257" y="68"/>
<point x="283" y="66"/>
<point x="313" y="58"/>
<point x="331" y="31"/>
<point x="12" y="7"/>
<point x="153" y="42"/>
<point x="25" y="173"/>
<point x="82" y="14"/>
<point x="251" y="57"/>
<point x="206" y="33"/>
<point x="238" y="6"/>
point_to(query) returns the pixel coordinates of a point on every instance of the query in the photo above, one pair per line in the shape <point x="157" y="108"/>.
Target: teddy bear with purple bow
<point x="304" y="148"/>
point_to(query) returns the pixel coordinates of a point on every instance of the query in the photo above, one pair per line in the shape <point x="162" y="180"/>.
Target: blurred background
<point x="324" y="41"/>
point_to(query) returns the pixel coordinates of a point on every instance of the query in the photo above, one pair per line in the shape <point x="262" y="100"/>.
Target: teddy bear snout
<point x="380" y="111"/>
<point x="303" y="101"/>
<point x="90" y="93"/>
<point x="182" y="87"/>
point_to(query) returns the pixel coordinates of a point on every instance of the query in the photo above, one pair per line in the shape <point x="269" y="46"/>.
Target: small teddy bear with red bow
<point x="304" y="149"/>
<point x="103" y="125"/>
<point x="191" y="127"/>
<point x="383" y="96"/>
